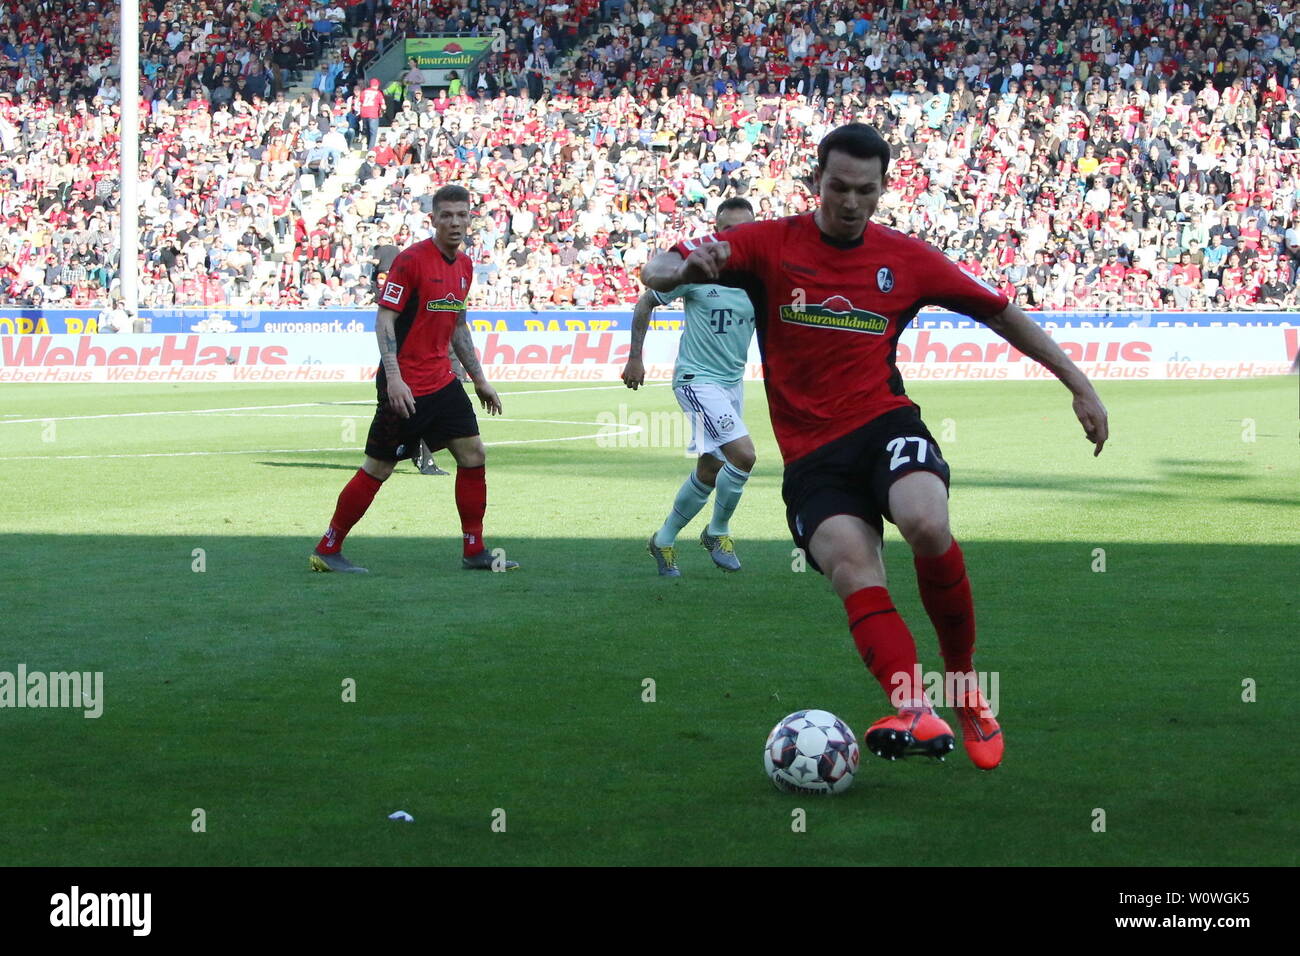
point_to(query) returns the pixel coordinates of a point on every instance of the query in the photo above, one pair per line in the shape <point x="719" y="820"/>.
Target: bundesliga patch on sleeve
<point x="693" y="244"/>
<point x="393" y="293"/>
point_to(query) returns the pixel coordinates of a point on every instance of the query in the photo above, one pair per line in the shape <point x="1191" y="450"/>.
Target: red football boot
<point x="912" y="732"/>
<point x="980" y="732"/>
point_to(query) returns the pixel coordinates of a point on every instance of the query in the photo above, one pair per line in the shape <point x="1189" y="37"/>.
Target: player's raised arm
<point x="1026" y="335"/>
<point x="668" y="270"/>
<point x="463" y="344"/>
<point x="634" y="370"/>
<point x="664" y="271"/>
<point x="399" y="393"/>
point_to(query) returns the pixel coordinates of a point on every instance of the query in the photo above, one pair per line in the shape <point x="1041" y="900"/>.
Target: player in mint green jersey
<point x="708" y="381"/>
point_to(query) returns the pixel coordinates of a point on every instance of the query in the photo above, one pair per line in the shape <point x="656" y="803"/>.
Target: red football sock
<point x="353" y="502"/>
<point x="885" y="643"/>
<point x="471" y="502"/>
<point x="945" y="592"/>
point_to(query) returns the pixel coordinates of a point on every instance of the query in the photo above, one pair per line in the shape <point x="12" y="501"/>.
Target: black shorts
<point x="853" y="474"/>
<point x="439" y="417"/>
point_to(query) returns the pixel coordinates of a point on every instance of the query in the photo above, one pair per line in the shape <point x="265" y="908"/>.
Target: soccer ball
<point x="811" y="751"/>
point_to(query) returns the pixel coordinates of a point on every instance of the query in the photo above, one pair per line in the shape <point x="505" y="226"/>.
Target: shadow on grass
<point x="1126" y="488"/>
<point x="317" y="465"/>
<point x="403" y="467"/>
<point x="478" y="690"/>
<point x="94" y="581"/>
<point x="1181" y="478"/>
<point x="1203" y="463"/>
<point x="575" y="458"/>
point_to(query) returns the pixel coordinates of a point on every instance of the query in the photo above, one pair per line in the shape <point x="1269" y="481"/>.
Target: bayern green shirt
<point x="715" y="340"/>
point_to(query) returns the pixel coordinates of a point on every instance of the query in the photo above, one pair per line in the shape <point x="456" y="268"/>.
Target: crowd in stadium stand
<point x="1085" y="155"/>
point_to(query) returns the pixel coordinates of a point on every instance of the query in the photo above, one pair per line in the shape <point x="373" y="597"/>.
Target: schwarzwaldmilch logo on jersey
<point x="884" y="279"/>
<point x="448" y="303"/>
<point x="838" y="313"/>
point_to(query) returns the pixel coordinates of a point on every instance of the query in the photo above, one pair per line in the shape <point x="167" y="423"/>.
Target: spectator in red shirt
<point x="369" y="108"/>
<point x="1187" y="270"/>
<point x="1113" y="269"/>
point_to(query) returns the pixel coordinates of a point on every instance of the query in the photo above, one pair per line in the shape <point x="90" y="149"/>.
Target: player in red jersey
<point x="421" y="313"/>
<point x="839" y="291"/>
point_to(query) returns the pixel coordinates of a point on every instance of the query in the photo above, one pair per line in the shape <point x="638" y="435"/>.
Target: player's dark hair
<point x="858" y="140"/>
<point x="735" y="202"/>
<point x="450" y="193"/>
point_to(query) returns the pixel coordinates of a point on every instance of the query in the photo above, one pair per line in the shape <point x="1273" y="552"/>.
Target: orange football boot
<point x="912" y="732"/>
<point x="980" y="732"/>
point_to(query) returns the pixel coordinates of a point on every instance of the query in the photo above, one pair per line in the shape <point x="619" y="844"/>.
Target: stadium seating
<point x="1074" y="158"/>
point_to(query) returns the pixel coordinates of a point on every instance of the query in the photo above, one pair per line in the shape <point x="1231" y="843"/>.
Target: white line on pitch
<point x="183" y="454"/>
<point x="336" y="417"/>
<point x="631" y="430"/>
<point x="187" y="411"/>
<point x="254" y="408"/>
<point x="582" y="388"/>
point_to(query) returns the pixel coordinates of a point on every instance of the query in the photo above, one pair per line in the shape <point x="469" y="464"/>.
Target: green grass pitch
<point x="1121" y="690"/>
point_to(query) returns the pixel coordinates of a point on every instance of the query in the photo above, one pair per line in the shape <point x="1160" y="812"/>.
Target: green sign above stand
<point x="447" y="53"/>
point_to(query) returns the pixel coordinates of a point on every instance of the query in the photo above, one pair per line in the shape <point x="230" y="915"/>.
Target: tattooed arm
<point x="463" y="344"/>
<point x="400" y="398"/>
<point x="634" y="370"/>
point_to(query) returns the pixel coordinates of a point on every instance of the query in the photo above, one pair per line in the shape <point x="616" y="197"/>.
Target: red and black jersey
<point x="428" y="291"/>
<point x="830" y="316"/>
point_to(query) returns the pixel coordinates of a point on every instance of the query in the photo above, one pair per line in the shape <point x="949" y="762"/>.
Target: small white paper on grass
<point x="401" y="815"/>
